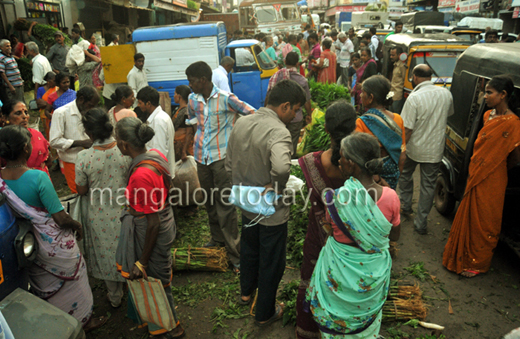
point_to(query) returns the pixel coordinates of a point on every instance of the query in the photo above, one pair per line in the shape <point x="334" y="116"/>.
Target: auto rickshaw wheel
<point x="444" y="200"/>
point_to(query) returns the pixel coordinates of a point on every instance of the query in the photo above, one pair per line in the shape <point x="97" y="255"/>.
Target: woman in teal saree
<point x="350" y="282"/>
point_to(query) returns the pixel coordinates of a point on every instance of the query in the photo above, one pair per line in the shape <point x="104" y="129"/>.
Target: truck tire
<point x="444" y="200"/>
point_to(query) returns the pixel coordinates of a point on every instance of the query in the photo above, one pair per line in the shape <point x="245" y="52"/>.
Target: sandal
<point x="177" y="332"/>
<point x="469" y="274"/>
<point x="95" y="323"/>
<point x="278" y="314"/>
<point x="248" y="301"/>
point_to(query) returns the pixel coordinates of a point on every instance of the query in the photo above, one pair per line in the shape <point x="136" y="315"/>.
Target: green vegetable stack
<point x="44" y="32"/>
<point x="315" y="137"/>
<point x="325" y="94"/>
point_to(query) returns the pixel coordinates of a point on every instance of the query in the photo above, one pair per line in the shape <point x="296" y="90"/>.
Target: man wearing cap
<point x="57" y="54"/>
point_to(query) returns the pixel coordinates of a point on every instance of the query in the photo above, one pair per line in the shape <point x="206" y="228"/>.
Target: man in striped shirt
<point x="214" y="112"/>
<point x="10" y="73"/>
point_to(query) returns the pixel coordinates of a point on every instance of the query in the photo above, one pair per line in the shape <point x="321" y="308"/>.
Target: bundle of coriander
<point x="199" y="259"/>
<point x="44" y="32"/>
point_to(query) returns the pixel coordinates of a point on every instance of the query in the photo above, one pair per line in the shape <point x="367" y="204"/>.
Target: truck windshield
<point x="289" y="12"/>
<point x="265" y="13"/>
<point x="442" y="63"/>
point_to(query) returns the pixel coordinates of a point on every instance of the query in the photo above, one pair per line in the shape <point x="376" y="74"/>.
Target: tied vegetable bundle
<point x="44" y="32"/>
<point x="404" y="302"/>
<point x="200" y="259"/>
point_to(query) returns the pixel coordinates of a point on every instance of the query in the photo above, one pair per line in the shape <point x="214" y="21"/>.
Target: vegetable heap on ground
<point x="199" y="259"/>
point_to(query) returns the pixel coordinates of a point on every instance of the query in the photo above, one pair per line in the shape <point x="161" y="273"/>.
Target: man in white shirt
<point x="220" y="74"/>
<point x="374" y="42"/>
<point x="67" y="134"/>
<point x="244" y="57"/>
<point x="160" y="121"/>
<point x="425" y="115"/>
<point x="41" y="66"/>
<point x="137" y="77"/>
<point x="344" y="48"/>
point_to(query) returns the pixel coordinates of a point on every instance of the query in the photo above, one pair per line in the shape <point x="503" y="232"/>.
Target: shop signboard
<point x="468" y="6"/>
<point x="333" y="11"/>
<point x="516" y="12"/>
<point x="446" y="3"/>
<point x="516" y="3"/>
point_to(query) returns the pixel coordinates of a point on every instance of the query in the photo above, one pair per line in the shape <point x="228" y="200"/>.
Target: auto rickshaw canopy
<point x="407" y="41"/>
<point x="488" y="60"/>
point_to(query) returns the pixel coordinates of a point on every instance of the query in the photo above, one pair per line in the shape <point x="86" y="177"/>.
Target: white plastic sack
<point x="294" y="183"/>
<point x="186" y="183"/>
<point x="75" y="57"/>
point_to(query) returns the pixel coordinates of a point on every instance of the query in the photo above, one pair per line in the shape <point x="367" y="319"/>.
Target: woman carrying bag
<point x="147" y="224"/>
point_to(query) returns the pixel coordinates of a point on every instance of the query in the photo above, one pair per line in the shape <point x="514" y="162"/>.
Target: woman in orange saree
<point x="477" y="224"/>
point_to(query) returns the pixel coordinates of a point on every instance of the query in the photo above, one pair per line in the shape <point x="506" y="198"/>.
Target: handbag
<point x="151" y="302"/>
<point x="325" y="62"/>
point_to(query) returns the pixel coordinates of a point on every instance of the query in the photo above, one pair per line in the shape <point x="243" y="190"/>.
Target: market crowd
<point x="131" y="143"/>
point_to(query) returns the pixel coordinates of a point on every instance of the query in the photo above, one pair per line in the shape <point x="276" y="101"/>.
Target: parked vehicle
<point x="230" y="20"/>
<point x="424" y="29"/>
<point x="365" y="20"/>
<point x="169" y="50"/>
<point x="470" y="34"/>
<point x="342" y="17"/>
<point x="481" y="23"/>
<point x="26" y="315"/>
<point x="414" y="19"/>
<point x="380" y="33"/>
<point x="475" y="67"/>
<point x="440" y="51"/>
<point x="268" y="16"/>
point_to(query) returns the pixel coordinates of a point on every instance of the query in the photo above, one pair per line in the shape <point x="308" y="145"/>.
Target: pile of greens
<point x="24" y="65"/>
<point x="324" y="94"/>
<point x="44" y="32"/>
<point x="317" y="138"/>
<point x="297" y="225"/>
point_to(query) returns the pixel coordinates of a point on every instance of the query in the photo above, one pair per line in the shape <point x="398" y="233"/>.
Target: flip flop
<point x="170" y="335"/>
<point x="278" y="314"/>
<point x="469" y="271"/>
<point x="101" y="321"/>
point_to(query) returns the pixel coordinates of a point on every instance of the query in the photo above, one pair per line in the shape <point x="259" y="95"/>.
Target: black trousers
<point x="262" y="263"/>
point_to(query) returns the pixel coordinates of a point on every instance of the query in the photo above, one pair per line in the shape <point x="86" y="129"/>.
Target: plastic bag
<point x="186" y="183"/>
<point x="75" y="56"/>
<point x="294" y="183"/>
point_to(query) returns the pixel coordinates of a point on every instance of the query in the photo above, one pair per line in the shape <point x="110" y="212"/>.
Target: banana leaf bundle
<point x="200" y="259"/>
<point x="324" y="94"/>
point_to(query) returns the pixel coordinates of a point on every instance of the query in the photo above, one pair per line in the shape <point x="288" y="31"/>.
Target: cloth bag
<point x="186" y="182"/>
<point x="151" y="302"/>
<point x="250" y="199"/>
<point x="76" y="206"/>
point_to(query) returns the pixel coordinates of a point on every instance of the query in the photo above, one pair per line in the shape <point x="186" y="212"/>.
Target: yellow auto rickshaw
<point x="439" y="50"/>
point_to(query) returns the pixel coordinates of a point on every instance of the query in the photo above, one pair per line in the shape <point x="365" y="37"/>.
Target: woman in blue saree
<point x="386" y="126"/>
<point x="350" y="281"/>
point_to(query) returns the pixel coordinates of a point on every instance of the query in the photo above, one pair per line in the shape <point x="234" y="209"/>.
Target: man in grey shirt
<point x="58" y="53"/>
<point x="259" y="154"/>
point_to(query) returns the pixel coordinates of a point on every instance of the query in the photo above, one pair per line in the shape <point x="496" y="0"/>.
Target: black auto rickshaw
<point x="475" y="67"/>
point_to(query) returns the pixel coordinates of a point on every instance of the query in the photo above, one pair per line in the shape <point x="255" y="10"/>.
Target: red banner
<point x="516" y="12"/>
<point x="446" y="3"/>
<point x="332" y="11"/>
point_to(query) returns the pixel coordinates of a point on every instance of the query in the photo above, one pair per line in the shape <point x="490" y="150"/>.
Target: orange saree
<point x="477" y="224"/>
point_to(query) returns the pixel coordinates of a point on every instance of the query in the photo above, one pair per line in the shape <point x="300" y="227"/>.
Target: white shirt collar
<point x="154" y="114"/>
<point x="223" y="70"/>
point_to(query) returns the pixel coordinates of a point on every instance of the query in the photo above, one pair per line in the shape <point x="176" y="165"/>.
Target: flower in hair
<point x="390" y="95"/>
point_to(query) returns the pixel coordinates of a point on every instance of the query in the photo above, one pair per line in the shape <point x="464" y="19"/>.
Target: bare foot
<point x="468" y="274"/>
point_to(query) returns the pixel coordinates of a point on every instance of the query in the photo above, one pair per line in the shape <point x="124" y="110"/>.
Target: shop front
<point x="45" y="12"/>
<point x="331" y="12"/>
